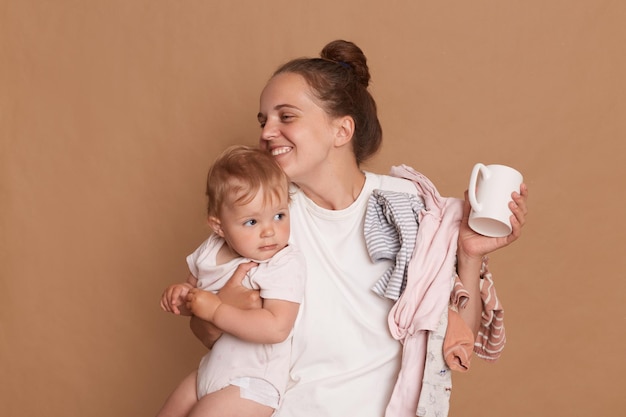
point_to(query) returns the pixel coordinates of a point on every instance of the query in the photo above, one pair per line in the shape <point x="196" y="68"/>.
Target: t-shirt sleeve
<point x="194" y="259"/>
<point x="402" y="185"/>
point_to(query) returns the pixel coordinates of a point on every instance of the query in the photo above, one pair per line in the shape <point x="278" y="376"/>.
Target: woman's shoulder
<point x="389" y="183"/>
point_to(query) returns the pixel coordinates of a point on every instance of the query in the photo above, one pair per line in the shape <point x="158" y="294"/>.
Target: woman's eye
<point x="286" y="117"/>
<point x="250" y="222"/>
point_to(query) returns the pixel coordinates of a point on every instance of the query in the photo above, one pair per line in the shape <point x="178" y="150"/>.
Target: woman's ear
<point x="344" y="130"/>
<point x="216" y="225"/>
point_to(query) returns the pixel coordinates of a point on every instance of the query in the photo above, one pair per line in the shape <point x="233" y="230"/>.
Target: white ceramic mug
<point x="490" y="191"/>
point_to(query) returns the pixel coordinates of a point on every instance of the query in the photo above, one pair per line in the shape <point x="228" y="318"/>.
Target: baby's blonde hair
<point x="239" y="173"/>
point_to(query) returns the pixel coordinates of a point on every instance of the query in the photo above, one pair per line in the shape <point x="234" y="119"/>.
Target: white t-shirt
<point x="344" y="360"/>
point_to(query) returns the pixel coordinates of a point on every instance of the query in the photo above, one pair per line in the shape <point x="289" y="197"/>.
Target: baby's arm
<point x="173" y="298"/>
<point x="270" y="324"/>
<point x="233" y="293"/>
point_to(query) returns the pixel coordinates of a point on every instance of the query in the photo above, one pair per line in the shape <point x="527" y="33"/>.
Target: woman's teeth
<point x="280" y="151"/>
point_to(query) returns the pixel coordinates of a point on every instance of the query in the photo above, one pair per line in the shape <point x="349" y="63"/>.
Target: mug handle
<point x="478" y="168"/>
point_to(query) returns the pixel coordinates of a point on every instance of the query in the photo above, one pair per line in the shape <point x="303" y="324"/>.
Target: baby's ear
<point x="216" y="225"/>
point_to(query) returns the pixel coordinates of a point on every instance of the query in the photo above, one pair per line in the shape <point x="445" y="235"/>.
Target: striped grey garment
<point x="391" y="223"/>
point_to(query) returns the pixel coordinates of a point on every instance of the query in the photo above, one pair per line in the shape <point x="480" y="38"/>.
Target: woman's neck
<point x="335" y="191"/>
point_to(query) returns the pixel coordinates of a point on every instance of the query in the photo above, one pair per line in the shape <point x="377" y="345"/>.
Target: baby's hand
<point x="173" y="299"/>
<point x="203" y="304"/>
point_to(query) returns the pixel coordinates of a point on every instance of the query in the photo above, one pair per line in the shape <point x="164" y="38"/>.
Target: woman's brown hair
<point x="339" y="79"/>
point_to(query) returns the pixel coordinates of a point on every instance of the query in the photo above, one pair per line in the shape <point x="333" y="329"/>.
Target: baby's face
<point x="258" y="229"/>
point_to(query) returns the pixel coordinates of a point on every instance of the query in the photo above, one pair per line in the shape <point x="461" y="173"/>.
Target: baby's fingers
<point x="191" y="298"/>
<point x="175" y="296"/>
<point x="164" y="305"/>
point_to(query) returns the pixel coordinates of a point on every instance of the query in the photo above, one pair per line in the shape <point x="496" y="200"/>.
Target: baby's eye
<point x="250" y="222"/>
<point x="279" y="216"/>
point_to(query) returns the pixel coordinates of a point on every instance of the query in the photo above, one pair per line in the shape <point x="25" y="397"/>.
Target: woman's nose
<point x="269" y="131"/>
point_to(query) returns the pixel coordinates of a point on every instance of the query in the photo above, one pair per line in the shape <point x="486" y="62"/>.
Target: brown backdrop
<point x="111" y="111"/>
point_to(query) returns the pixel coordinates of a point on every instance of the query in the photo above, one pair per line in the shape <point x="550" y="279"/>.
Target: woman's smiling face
<point x="295" y="128"/>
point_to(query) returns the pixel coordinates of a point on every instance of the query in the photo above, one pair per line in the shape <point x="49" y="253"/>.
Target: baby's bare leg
<point x="227" y="402"/>
<point x="182" y="400"/>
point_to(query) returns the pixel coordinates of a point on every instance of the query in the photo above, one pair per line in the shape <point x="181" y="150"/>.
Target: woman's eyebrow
<point x="290" y="106"/>
<point x="261" y="116"/>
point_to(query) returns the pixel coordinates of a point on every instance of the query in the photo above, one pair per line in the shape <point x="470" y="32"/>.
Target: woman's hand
<point x="236" y="295"/>
<point x="474" y="245"/>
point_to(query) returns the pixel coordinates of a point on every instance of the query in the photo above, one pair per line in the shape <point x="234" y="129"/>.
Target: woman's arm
<point x="206" y="332"/>
<point x="472" y="247"/>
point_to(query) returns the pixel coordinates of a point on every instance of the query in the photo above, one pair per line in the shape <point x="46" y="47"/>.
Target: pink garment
<point x="458" y="343"/>
<point x="491" y="335"/>
<point x="459" y="296"/>
<point x="428" y="288"/>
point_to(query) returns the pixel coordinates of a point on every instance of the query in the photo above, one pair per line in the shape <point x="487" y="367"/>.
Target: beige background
<point x="110" y="113"/>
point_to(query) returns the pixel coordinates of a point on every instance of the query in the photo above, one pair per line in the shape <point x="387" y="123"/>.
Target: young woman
<point x="319" y="121"/>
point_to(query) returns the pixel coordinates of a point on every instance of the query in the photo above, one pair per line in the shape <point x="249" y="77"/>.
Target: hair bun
<point x="349" y="55"/>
